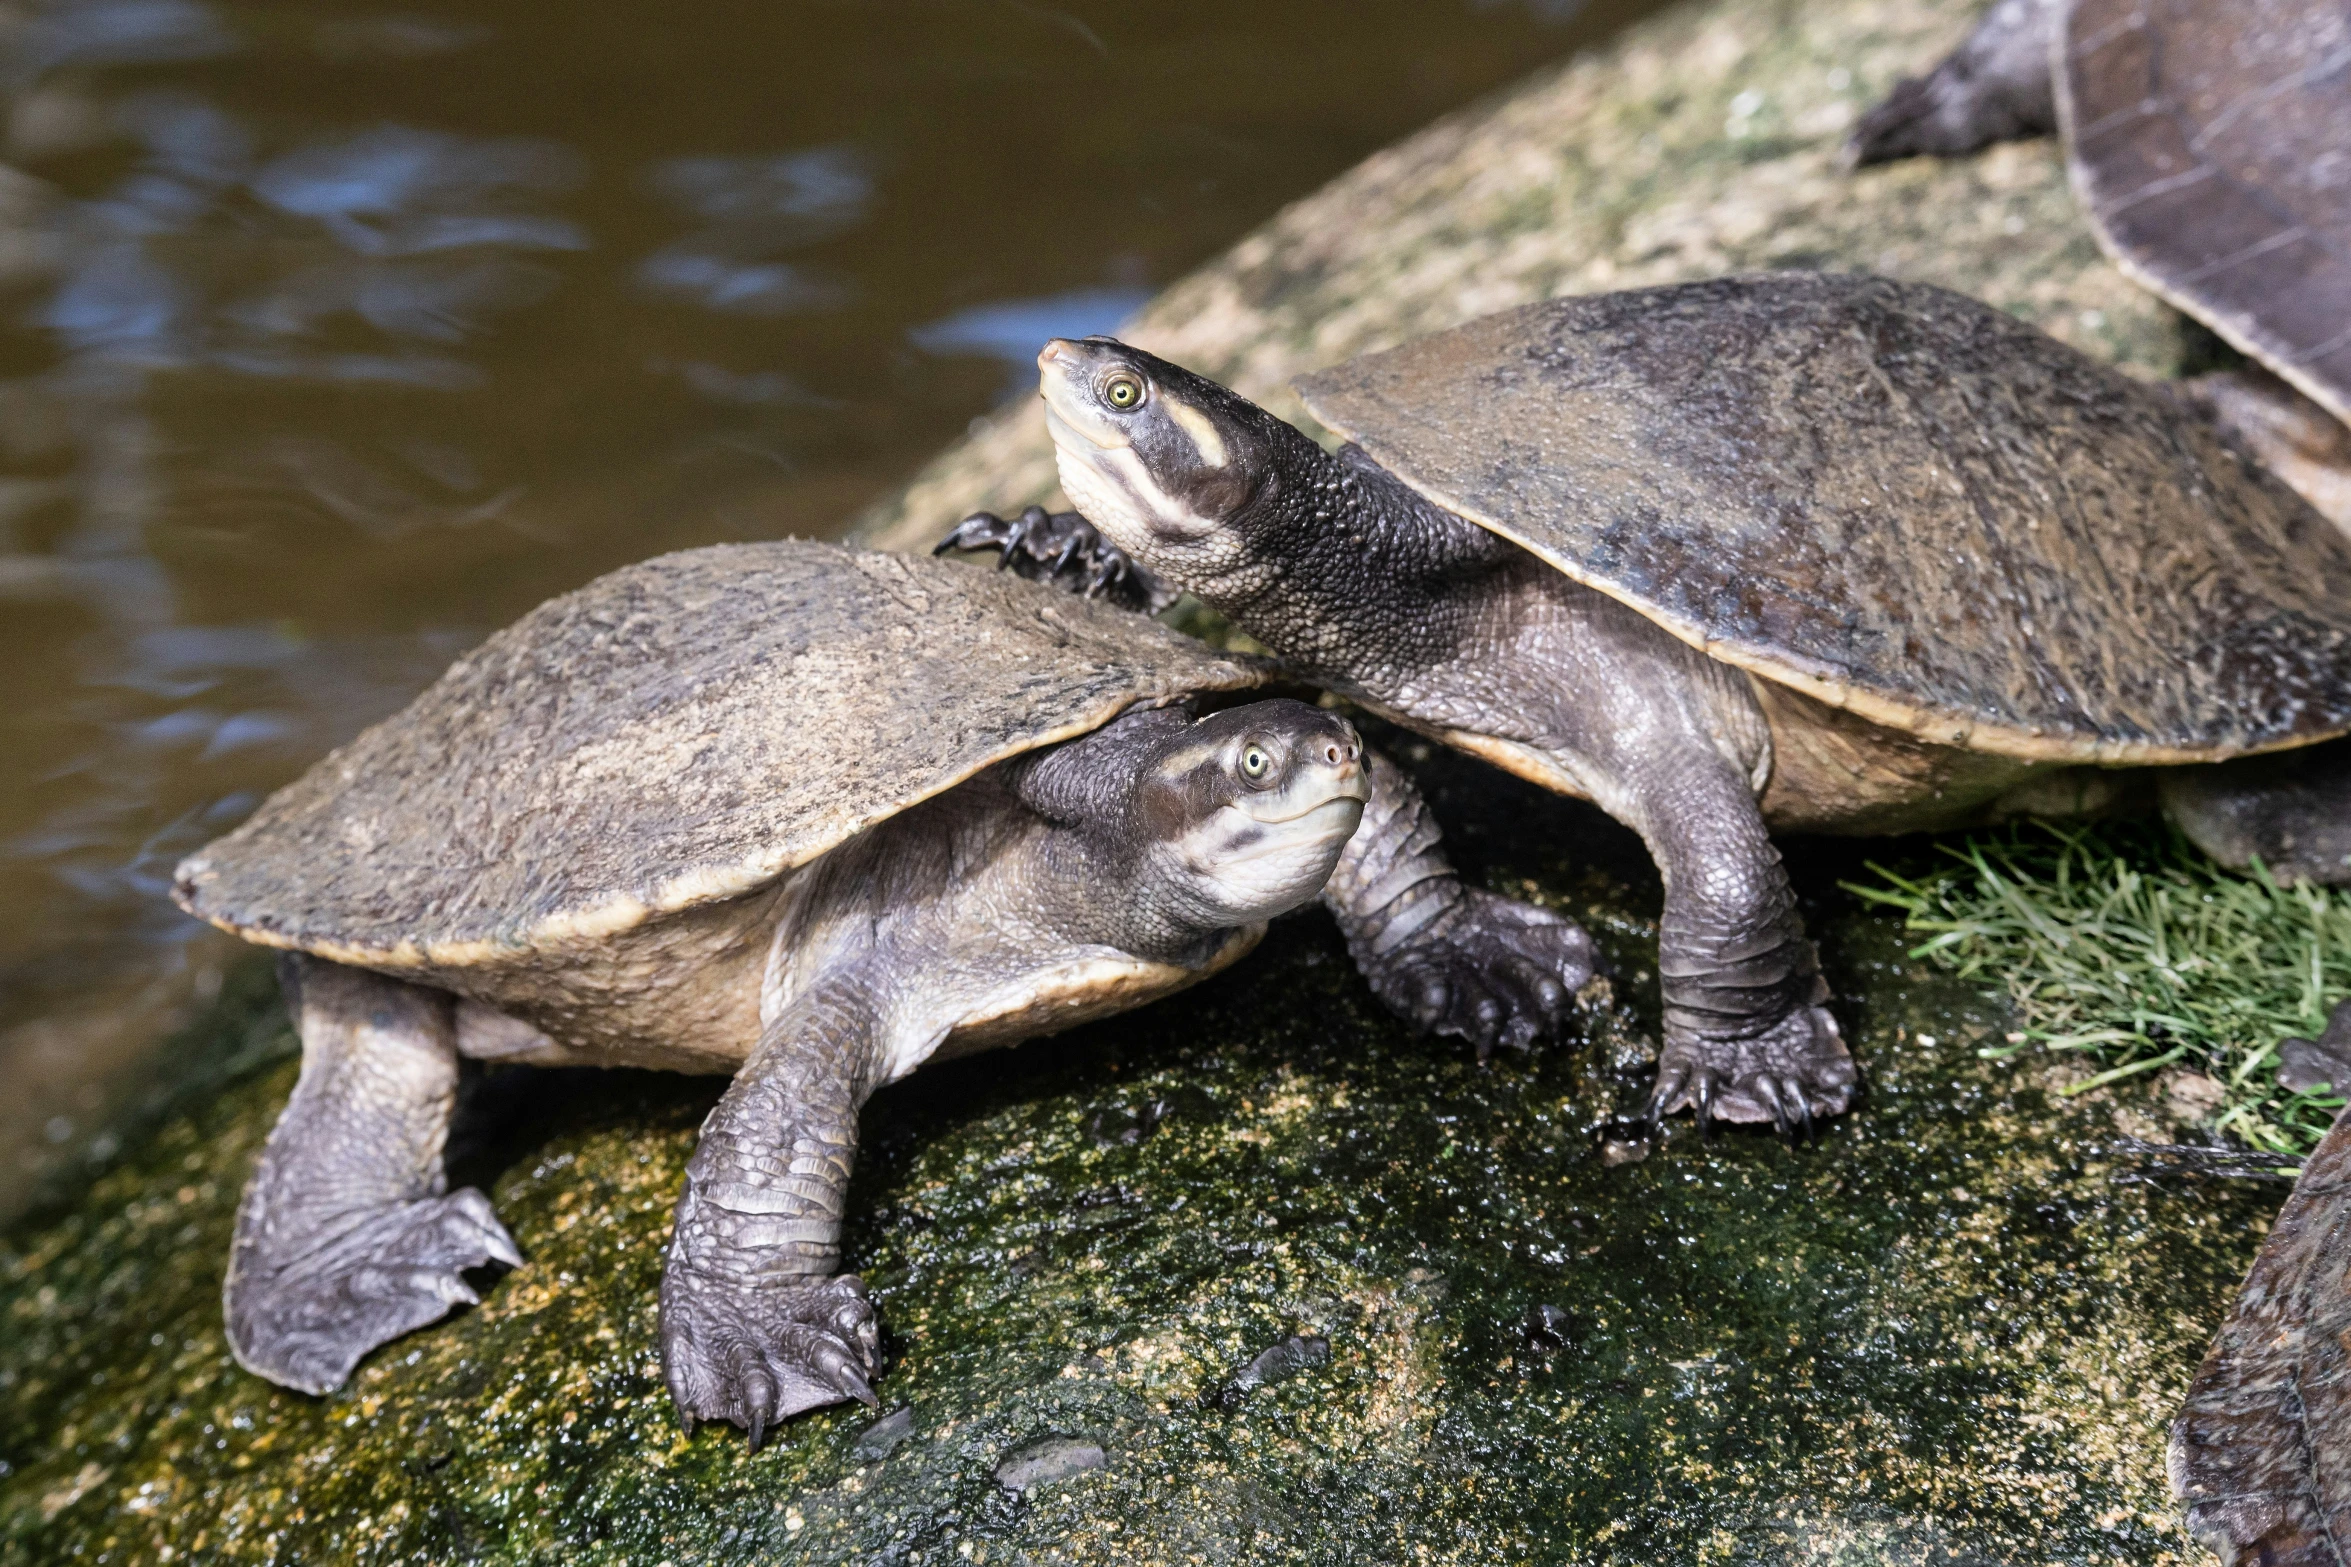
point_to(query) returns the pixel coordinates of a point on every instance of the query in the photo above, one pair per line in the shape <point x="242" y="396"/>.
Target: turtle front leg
<point x="1064" y="550"/>
<point x="1746" y="1038"/>
<point x="347" y="1236"/>
<point x="1454" y="959"/>
<point x="756" y="1324"/>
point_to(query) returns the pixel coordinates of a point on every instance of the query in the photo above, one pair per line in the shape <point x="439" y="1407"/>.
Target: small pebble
<point x="1043" y="1462"/>
<point x="1548" y="1329"/>
<point x="1626" y="1142"/>
<point x="1284" y="1360"/>
<point x="885" y="1436"/>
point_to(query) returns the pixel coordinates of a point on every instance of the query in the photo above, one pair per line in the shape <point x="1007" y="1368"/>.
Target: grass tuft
<point x="2124" y="943"/>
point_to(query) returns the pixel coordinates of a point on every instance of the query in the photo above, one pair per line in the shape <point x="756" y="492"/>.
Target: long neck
<point x="1349" y="572"/>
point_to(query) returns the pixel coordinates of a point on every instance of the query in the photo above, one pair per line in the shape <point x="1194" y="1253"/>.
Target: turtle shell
<point x="2256" y="1453"/>
<point x="2211" y="142"/>
<point x="1892" y="498"/>
<point x="675" y="734"/>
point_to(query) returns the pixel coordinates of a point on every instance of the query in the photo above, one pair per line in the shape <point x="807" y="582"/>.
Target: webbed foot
<point x="305" y="1323"/>
<point x="755" y="1355"/>
<point x="1064" y="549"/>
<point x="1490" y="970"/>
<point x="1791" y="1074"/>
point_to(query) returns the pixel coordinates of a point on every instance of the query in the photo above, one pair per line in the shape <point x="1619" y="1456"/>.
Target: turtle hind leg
<point x="347" y="1237"/>
<point x="2291" y="810"/>
<point x="1994" y="87"/>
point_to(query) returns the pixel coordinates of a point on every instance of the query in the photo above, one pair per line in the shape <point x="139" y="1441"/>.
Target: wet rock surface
<point x="1941" y="1331"/>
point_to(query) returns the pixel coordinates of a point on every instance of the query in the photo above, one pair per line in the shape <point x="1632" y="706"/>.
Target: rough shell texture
<point x="2211" y="143"/>
<point x="2258" y="1487"/>
<point x="675" y="733"/>
<point x="1892" y="498"/>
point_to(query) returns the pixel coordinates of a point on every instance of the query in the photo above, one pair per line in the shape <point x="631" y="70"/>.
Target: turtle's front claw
<point x="1790" y="1075"/>
<point x="757" y="1355"/>
<point x="1491" y="971"/>
<point x="1065" y="550"/>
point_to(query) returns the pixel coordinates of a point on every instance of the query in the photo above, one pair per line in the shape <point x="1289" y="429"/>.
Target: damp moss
<point x="1944" y="1330"/>
<point x="2124" y="946"/>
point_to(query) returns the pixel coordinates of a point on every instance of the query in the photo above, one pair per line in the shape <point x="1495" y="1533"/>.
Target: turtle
<point x="804" y="815"/>
<point x="1790" y="552"/>
<point x="2256" y="1452"/>
<point x="2210" y="144"/>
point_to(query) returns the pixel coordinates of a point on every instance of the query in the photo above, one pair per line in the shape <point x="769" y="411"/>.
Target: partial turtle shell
<point x="2211" y="142"/>
<point x="674" y="734"/>
<point x="1892" y="498"/>
<point x="2257" y="1456"/>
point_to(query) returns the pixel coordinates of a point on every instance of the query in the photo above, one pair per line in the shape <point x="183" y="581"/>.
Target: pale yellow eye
<point x="1122" y="391"/>
<point x="1255" y="763"/>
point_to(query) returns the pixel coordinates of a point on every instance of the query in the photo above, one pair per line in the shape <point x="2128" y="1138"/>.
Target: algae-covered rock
<point x="1702" y="142"/>
<point x="1944" y="1331"/>
<point x="1255" y="1274"/>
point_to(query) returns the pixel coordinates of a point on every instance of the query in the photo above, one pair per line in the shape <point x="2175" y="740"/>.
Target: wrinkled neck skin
<point x="1341" y="568"/>
<point x="965" y="891"/>
<point x="1098" y="887"/>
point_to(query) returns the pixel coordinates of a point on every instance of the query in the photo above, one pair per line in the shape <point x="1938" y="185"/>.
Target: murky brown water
<point x="334" y="338"/>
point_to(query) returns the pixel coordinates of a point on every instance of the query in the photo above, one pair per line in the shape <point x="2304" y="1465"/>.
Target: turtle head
<point x="1245" y="812"/>
<point x="1222" y="821"/>
<point x="1165" y="463"/>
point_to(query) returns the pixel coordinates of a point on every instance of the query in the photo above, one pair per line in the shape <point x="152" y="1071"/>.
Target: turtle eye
<point x="1255" y="764"/>
<point x="1123" y="391"/>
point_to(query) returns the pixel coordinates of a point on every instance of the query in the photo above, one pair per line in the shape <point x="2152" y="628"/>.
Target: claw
<point x="759" y="1393"/>
<point x="1800" y="1109"/>
<point x="1702" y="1101"/>
<point x="1013" y="536"/>
<point x="857" y="1330"/>
<point x="975" y="532"/>
<point x="1767" y="1090"/>
<point x="1670" y="1084"/>
<point x="487" y="1232"/>
<point x="844" y="1375"/>
<point x="1106" y="570"/>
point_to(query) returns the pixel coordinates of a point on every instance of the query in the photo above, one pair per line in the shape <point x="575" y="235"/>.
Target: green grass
<point x="2123" y="943"/>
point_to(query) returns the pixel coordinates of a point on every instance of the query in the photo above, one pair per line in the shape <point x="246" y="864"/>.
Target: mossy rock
<point x="1944" y="1331"/>
<point x="1702" y="142"/>
<point x="1951" y="1329"/>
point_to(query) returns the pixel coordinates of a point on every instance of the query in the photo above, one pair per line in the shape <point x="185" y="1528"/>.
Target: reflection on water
<point x="332" y="339"/>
